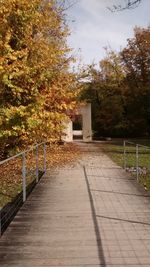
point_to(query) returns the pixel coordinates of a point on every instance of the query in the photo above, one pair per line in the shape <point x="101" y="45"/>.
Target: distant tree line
<point x="120" y="89"/>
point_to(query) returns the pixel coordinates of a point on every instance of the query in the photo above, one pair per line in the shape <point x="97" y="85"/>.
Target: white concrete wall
<point x="68" y="132"/>
<point x="85" y="110"/>
<point x="77" y="132"/>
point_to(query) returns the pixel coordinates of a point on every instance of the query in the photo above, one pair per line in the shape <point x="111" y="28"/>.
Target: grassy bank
<point x="114" y="149"/>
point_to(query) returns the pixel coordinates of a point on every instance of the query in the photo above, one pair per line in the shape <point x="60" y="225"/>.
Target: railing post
<point x="37" y="164"/>
<point x="124" y="155"/>
<point x="24" y="176"/>
<point x="137" y="162"/>
<point x="44" y="157"/>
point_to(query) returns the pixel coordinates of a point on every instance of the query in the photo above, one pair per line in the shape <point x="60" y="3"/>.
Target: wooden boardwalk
<point x="76" y="216"/>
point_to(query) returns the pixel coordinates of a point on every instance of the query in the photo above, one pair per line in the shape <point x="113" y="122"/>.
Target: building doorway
<point x="78" y="127"/>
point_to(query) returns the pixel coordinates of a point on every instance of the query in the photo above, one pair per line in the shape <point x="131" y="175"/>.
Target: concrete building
<point x="81" y="126"/>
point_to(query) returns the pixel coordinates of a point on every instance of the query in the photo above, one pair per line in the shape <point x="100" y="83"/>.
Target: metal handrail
<point x="128" y="142"/>
<point x="137" y="154"/>
<point x="144" y="146"/>
<point x="133" y="143"/>
<point x="23" y="154"/>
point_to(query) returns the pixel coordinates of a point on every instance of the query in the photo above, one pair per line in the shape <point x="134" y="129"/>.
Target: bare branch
<point x="66" y="4"/>
<point x="130" y="4"/>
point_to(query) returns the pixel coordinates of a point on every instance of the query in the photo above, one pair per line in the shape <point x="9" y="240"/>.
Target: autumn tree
<point x="136" y="61"/>
<point x="36" y="87"/>
<point x="105" y="93"/>
<point x="120" y="89"/>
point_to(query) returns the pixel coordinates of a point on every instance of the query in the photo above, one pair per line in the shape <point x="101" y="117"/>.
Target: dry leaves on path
<point x="11" y="172"/>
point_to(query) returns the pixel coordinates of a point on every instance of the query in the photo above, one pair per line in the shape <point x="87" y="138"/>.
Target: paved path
<point x="81" y="216"/>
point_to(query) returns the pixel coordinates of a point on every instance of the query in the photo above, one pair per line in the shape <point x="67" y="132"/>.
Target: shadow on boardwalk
<point x="87" y="214"/>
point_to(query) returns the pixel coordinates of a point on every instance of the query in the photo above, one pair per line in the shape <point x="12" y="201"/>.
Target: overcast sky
<point x="95" y="27"/>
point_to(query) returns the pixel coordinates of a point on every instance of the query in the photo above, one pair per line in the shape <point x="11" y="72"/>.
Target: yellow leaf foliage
<point x="37" y="90"/>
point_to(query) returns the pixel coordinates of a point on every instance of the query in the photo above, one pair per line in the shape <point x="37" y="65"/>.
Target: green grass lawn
<point x="115" y="150"/>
